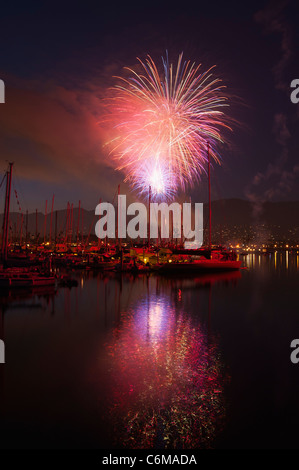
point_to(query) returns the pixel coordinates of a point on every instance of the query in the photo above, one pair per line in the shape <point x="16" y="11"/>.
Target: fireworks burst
<point x="162" y="122"/>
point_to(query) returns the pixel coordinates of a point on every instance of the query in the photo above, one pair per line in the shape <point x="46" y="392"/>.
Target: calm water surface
<point x="154" y="362"/>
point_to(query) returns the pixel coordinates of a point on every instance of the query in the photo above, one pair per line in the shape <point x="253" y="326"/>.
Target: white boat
<point x="202" y="265"/>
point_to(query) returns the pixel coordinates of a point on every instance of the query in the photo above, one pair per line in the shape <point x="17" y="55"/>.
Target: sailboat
<point x="17" y="277"/>
<point x="203" y="260"/>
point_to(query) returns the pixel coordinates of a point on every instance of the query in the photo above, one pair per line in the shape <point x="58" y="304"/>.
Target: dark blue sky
<point x="57" y="59"/>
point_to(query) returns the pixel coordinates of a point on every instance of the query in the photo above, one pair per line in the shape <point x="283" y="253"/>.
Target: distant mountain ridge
<point x="243" y="212"/>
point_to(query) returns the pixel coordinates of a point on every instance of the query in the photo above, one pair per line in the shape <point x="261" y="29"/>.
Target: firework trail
<point x="162" y="122"/>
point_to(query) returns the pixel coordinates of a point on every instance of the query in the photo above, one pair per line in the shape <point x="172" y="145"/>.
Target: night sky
<point x="57" y="61"/>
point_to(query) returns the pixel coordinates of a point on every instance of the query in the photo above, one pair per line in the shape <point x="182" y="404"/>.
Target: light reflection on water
<point x="146" y="361"/>
<point x="167" y="379"/>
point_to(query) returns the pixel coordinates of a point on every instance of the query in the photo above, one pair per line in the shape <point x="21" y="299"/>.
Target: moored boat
<point x="131" y="264"/>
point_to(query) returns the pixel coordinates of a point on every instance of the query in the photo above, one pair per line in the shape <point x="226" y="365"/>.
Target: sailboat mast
<point x="36" y="227"/>
<point x="55" y="231"/>
<point x="78" y="223"/>
<point x="45" y="222"/>
<point x="210" y="211"/>
<point x="116" y="237"/>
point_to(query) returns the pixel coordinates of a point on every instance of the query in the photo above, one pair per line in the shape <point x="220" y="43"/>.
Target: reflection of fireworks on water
<point x="167" y="381"/>
<point x="157" y="176"/>
<point x="163" y="120"/>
